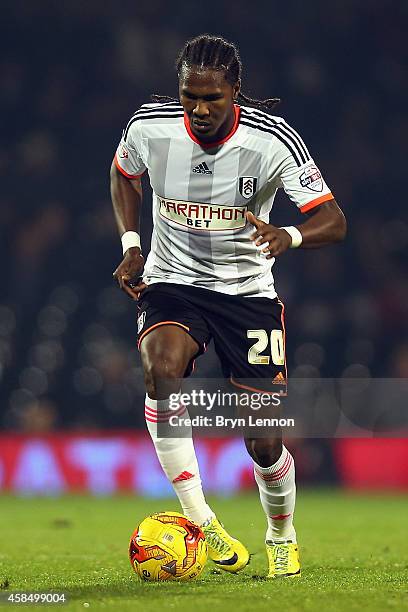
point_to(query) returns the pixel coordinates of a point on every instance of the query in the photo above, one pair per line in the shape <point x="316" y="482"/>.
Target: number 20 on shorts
<point x="277" y="347"/>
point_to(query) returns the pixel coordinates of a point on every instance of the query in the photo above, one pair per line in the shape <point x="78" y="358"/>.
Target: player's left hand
<point x="274" y="239"/>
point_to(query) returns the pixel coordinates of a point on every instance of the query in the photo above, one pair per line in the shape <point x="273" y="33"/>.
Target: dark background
<point x="72" y="73"/>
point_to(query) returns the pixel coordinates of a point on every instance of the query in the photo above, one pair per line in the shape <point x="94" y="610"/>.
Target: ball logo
<point x="311" y="179"/>
<point x="158" y="558"/>
<point x="247" y="186"/>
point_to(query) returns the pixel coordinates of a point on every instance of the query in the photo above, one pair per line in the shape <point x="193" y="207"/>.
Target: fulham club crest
<point x="141" y="321"/>
<point x="247" y="186"/>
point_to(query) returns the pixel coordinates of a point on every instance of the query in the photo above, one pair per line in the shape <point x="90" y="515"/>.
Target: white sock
<point x="178" y="460"/>
<point x="277" y="490"/>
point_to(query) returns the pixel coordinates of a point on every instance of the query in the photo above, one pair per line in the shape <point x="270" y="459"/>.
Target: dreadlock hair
<point x="215" y="53"/>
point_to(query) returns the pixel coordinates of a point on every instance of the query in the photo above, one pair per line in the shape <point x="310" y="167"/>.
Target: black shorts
<point x="248" y="332"/>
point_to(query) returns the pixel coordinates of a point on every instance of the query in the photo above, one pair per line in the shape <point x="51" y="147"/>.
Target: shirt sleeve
<point x="129" y="157"/>
<point x="299" y="176"/>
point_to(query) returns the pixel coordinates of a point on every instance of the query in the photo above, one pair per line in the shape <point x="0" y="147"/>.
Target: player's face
<point x="208" y="100"/>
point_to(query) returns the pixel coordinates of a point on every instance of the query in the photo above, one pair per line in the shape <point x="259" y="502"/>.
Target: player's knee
<point x="264" y="451"/>
<point x="163" y="373"/>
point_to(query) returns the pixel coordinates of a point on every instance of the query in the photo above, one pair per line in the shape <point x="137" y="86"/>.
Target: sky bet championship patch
<point x="311" y="179"/>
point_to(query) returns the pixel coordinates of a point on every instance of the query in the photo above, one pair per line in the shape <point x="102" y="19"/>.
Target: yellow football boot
<point x="226" y="552"/>
<point x="283" y="559"/>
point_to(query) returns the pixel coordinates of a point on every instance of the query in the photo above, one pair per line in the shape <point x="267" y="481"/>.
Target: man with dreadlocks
<point x="215" y="161"/>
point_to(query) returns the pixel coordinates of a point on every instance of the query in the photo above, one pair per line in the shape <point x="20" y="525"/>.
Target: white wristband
<point x="295" y="234"/>
<point x="129" y="240"/>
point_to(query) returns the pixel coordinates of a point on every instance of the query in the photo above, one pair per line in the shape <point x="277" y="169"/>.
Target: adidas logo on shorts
<point x="279" y="379"/>
<point x="202" y="169"/>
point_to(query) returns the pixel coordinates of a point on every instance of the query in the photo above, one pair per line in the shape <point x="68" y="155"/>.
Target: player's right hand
<point x="128" y="273"/>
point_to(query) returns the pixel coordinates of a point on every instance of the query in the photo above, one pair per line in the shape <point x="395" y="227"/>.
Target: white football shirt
<point x="202" y="191"/>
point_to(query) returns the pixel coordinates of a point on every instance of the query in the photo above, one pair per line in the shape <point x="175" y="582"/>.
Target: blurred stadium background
<point x="71" y="74"/>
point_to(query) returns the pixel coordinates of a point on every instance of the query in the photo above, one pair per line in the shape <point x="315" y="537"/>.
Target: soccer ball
<point x="167" y="546"/>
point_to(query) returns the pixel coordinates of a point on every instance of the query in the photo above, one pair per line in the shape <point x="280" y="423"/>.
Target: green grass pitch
<point x="354" y="553"/>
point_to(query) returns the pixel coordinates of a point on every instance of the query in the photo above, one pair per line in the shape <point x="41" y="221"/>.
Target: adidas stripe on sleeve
<point x="300" y="177"/>
<point x="297" y="172"/>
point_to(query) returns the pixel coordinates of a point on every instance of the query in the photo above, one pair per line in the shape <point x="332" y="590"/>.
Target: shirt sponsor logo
<point x="210" y="217"/>
<point x="311" y="179"/>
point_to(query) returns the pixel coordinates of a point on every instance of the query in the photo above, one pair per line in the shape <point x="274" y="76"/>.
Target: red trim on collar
<point x="208" y="145"/>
